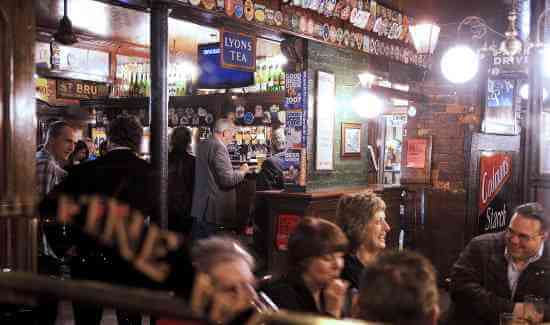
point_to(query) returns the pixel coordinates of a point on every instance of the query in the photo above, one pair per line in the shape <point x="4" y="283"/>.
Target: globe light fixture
<point x="460" y="64"/>
<point x="411" y="111"/>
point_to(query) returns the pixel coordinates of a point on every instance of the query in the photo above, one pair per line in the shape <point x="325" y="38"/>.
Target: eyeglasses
<point x="522" y="237"/>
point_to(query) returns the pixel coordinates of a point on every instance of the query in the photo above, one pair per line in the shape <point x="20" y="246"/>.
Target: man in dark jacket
<point x="496" y="271"/>
<point x="122" y="175"/>
<point x="181" y="172"/>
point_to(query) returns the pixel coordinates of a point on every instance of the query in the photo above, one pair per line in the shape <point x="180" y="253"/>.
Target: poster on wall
<point x="294" y="129"/>
<point x="324" y="134"/>
<point x="295" y="90"/>
<point x="495" y="172"/>
<point x="416" y="160"/>
<point x="294" y="167"/>
<point x="416" y="153"/>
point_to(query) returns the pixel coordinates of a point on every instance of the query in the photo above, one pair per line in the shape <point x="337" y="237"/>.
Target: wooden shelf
<point x="191" y="100"/>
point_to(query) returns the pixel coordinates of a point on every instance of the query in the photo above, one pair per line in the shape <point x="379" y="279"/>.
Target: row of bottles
<point x="269" y="76"/>
<point x="180" y="79"/>
<point x="132" y="80"/>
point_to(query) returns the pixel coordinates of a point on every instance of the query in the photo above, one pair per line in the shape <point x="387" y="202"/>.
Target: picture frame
<point x="501" y="104"/>
<point x="351" y="141"/>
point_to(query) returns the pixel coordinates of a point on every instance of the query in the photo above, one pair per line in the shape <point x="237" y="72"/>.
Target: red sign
<point x="285" y="227"/>
<point x="494" y="171"/>
<point x="416" y="153"/>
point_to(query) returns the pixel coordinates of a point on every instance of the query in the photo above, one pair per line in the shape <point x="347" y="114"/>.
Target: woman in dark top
<point x="315" y="259"/>
<point x="362" y="218"/>
<point x="181" y="171"/>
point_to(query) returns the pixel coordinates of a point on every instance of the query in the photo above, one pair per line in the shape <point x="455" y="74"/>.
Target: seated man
<point x="399" y="288"/>
<point x="496" y="271"/>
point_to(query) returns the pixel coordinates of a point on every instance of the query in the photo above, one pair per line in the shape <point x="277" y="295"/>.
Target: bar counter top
<point x="325" y="193"/>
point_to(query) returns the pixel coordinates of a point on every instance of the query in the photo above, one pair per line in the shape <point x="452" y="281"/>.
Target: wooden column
<point x="159" y="107"/>
<point x="17" y="136"/>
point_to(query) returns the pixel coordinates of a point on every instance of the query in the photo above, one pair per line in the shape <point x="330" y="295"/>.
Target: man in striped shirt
<point x="59" y="145"/>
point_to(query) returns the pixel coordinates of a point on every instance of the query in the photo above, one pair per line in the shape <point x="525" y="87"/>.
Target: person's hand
<point x="244" y="168"/>
<point x="531" y="314"/>
<point x="335" y="296"/>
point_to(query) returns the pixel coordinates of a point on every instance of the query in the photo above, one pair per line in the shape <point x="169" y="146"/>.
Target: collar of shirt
<point x="514" y="273"/>
<point x="46" y="155"/>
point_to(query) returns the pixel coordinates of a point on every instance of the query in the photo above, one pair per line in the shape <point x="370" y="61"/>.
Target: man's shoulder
<point x="487" y="241"/>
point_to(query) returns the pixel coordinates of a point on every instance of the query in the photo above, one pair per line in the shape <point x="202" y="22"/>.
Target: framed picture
<point x="502" y="101"/>
<point x="351" y="141"/>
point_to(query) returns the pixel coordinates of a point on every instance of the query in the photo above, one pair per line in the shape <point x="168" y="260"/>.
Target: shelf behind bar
<point x="192" y="100"/>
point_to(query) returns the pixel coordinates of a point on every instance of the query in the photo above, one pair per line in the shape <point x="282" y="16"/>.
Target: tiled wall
<point x="345" y="65"/>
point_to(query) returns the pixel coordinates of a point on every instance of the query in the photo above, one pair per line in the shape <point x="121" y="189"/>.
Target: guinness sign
<point x="495" y="172"/>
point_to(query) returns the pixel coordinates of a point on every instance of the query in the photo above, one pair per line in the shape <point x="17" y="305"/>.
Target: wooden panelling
<point x="18" y="138"/>
<point x="321" y="204"/>
<point x="5" y="64"/>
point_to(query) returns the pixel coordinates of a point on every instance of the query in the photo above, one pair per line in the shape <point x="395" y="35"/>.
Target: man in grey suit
<point x="214" y="197"/>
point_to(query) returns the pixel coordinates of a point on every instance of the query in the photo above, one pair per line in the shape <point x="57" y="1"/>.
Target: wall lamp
<point x="460" y="63"/>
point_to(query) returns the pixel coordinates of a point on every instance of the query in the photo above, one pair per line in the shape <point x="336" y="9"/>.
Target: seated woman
<point x="315" y="259"/>
<point x="362" y="218"/>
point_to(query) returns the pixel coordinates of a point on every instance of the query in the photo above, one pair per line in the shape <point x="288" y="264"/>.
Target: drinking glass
<point x="260" y="158"/>
<point x="511" y="319"/>
<point x="533" y="309"/>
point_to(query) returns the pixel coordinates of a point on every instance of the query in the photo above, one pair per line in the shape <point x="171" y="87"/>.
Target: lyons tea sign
<point x="238" y="51"/>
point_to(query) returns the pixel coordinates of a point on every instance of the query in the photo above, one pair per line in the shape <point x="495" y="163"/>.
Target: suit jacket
<point x="181" y="172"/>
<point x="479" y="282"/>
<point x="214" y="196"/>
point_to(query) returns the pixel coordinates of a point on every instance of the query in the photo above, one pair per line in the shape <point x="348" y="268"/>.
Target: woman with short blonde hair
<point x="362" y="217"/>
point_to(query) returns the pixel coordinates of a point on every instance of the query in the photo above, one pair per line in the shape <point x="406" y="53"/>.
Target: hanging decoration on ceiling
<point x="363" y="25"/>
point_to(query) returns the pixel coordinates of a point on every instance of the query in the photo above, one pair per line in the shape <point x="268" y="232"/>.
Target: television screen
<point x="213" y="76"/>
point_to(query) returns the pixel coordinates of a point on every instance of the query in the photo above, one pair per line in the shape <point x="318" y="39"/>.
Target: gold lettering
<point x="79" y="88"/>
<point x="67" y="208"/>
<point x="96" y="210"/>
<point x="134" y="229"/>
<point x="115" y="228"/>
<point x="147" y="260"/>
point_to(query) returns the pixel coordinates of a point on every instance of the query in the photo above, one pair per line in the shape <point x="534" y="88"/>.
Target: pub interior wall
<point x="450" y="116"/>
<point x="346" y="65"/>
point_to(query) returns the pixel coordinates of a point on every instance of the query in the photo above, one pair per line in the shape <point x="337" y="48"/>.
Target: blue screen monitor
<point x="213" y="76"/>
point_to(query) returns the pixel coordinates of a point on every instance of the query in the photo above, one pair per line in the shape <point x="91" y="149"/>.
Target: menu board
<point x="324" y="134"/>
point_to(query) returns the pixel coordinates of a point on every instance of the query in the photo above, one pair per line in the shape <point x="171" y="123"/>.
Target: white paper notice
<point x="325" y="121"/>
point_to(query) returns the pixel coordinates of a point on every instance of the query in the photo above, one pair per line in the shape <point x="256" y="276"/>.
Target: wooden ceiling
<point x="94" y="20"/>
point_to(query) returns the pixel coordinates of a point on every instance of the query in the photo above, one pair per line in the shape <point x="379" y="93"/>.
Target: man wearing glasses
<point x="496" y="271"/>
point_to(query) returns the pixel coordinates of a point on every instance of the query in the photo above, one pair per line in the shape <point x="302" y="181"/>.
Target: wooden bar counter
<point x="277" y="212"/>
